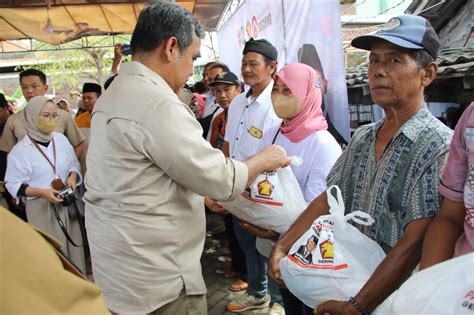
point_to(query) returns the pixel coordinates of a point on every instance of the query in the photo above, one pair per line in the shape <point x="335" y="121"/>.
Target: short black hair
<point x="224" y="67"/>
<point x="210" y="63"/>
<point x="33" y="72"/>
<point x="160" y="21"/>
<point x="3" y="101"/>
<point x="268" y="61"/>
<point x="199" y="87"/>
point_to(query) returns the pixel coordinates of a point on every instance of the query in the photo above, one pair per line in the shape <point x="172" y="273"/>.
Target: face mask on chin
<point x="46" y="126"/>
<point x="286" y="107"/>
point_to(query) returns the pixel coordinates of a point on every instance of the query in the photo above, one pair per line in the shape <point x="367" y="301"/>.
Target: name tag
<point x="255" y="132"/>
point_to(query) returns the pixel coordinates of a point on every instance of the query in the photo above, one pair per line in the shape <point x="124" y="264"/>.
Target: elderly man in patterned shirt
<point x="391" y="168"/>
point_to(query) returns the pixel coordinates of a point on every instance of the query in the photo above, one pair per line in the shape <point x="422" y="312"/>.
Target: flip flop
<point x="238" y="286"/>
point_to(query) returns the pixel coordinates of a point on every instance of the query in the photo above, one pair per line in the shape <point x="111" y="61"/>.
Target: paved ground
<point x="217" y="294"/>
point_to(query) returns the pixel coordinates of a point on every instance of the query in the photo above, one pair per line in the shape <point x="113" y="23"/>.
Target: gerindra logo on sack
<point x="326" y="249"/>
<point x="265" y="188"/>
<point x="469" y="301"/>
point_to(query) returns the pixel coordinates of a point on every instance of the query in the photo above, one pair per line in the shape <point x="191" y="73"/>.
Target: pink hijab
<point x="302" y="81"/>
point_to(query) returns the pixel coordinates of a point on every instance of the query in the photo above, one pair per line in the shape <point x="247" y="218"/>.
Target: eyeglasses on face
<point x="49" y="116"/>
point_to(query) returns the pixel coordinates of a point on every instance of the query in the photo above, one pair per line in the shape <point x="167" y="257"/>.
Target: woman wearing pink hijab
<point x="297" y="100"/>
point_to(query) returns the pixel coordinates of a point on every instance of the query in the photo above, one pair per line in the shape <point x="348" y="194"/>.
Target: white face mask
<point x="286" y="107"/>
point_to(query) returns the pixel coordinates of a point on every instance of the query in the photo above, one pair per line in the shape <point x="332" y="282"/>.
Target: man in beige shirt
<point x="33" y="83"/>
<point x="148" y="168"/>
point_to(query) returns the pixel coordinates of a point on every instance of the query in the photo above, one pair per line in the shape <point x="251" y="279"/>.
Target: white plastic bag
<point x="273" y="201"/>
<point x="446" y="288"/>
<point x="333" y="259"/>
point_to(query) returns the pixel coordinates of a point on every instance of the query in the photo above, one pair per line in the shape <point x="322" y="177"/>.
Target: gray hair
<point x="422" y="58"/>
<point x="160" y="21"/>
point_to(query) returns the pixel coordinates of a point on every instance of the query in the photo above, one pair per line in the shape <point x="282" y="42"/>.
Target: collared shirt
<point x="248" y="118"/>
<point x="148" y="168"/>
<point x="14" y="130"/>
<point x="26" y="165"/>
<point x="457" y="181"/>
<point x="402" y="185"/>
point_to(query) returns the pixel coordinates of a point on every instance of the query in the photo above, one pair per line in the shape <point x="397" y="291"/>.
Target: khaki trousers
<point x="184" y="305"/>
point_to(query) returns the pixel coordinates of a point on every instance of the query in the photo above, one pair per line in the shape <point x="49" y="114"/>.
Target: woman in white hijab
<point x="39" y="167"/>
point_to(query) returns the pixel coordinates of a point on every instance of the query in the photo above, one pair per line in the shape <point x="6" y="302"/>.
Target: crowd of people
<point x="147" y="155"/>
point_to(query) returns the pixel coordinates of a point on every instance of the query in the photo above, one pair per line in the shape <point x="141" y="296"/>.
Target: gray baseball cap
<point x="407" y="31"/>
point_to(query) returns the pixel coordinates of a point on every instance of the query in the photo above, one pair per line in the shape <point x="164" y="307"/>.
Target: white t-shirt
<point x="319" y="152"/>
<point x="247" y="119"/>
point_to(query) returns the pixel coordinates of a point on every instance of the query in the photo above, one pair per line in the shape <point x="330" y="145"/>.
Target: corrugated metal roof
<point x="451" y="62"/>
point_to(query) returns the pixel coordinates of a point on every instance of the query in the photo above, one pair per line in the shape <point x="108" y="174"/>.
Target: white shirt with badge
<point x="247" y="119"/>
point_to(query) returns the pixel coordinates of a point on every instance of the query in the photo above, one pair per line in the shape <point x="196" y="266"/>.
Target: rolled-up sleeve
<point x="18" y="171"/>
<point x="172" y="138"/>
<point x="455" y="171"/>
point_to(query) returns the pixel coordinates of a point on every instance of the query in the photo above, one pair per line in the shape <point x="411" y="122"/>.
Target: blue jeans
<point x="256" y="263"/>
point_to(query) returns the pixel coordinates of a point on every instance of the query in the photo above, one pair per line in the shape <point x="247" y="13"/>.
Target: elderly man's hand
<point x="273" y="157"/>
<point x="262" y="233"/>
<point x="336" y="308"/>
<point x="273" y="265"/>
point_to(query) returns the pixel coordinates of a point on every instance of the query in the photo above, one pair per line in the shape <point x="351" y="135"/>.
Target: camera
<point x="67" y="195"/>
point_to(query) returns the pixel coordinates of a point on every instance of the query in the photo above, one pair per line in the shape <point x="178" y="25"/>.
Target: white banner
<point x="254" y="18"/>
<point x="307" y="31"/>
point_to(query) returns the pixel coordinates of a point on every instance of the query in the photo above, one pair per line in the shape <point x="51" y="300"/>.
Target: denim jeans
<point x="256" y="263"/>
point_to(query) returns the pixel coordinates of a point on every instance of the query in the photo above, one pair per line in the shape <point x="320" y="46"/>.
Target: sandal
<point x="238" y="286"/>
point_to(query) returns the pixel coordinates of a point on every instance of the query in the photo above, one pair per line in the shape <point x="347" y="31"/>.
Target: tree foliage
<point x="67" y="69"/>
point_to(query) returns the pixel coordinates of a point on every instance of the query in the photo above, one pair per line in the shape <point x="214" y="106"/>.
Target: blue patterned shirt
<point x="402" y="185"/>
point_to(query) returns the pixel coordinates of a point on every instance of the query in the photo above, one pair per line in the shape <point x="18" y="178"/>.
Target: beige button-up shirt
<point x="148" y="168"/>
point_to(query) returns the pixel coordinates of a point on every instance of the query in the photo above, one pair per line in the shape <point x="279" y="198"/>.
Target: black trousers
<point x="292" y="305"/>
<point x="236" y="254"/>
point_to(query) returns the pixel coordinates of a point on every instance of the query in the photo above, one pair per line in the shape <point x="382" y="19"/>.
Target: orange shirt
<point x="83" y="120"/>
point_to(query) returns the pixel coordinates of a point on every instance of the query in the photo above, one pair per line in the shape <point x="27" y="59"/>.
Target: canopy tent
<point x="60" y="21"/>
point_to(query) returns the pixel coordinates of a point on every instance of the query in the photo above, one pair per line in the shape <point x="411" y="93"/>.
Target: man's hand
<point x="270" y="158"/>
<point x="214" y="206"/>
<point x="273" y="157"/>
<point x="262" y="233"/>
<point x="336" y="308"/>
<point x="273" y="265"/>
<point x="118" y="51"/>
